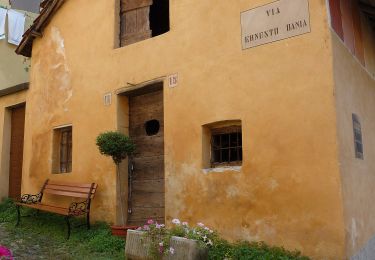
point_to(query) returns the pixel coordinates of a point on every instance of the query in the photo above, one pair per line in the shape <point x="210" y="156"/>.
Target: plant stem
<point x="121" y="198"/>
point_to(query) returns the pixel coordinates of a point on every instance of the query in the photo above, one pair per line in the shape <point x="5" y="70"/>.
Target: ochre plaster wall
<point x="355" y="93"/>
<point x="12" y="66"/>
<point x="288" y="191"/>
<point x="7" y="102"/>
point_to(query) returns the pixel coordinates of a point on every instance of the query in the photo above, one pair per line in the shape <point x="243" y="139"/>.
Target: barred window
<point x="66" y="150"/>
<point x="62" y="151"/>
<point x="357" y="131"/>
<point x="226" y="146"/>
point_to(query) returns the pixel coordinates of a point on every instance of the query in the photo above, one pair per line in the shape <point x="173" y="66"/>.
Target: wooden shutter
<point x="336" y="20"/>
<point x="135" y="21"/>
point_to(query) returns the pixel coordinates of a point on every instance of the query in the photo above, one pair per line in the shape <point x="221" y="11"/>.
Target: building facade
<point x="14" y="82"/>
<point x="250" y="116"/>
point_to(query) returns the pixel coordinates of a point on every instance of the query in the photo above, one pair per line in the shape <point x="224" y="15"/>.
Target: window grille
<point x="226" y="146"/>
<point x="65" y="149"/>
<point x="357" y="131"/>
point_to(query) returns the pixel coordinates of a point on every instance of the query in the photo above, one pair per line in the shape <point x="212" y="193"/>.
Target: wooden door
<point x="16" y="151"/>
<point x="146" y="128"/>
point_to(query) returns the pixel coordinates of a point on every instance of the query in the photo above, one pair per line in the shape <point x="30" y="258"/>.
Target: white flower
<point x="161" y="225"/>
<point x="209" y="242"/>
<point x="161" y="244"/>
<point x="176" y="221"/>
<point x="200" y="224"/>
<point x="206" y="228"/>
<point x="171" y="250"/>
<point x="204" y="238"/>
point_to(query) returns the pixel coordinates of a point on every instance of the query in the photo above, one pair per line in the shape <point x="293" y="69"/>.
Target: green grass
<point x="49" y="231"/>
<point x="244" y="250"/>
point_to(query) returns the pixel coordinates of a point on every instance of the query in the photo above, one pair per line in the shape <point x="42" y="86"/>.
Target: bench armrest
<point x="78" y="208"/>
<point x="31" y="198"/>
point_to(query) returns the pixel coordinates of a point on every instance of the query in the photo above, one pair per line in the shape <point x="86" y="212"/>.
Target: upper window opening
<point x="144" y="19"/>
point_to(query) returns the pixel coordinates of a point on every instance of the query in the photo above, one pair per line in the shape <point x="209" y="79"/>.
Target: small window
<point x="357" y="131"/>
<point x="62" y="158"/>
<point x="141" y="20"/>
<point x="226" y="146"/>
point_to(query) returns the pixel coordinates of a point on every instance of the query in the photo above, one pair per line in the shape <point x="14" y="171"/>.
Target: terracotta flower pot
<point x="121" y="231"/>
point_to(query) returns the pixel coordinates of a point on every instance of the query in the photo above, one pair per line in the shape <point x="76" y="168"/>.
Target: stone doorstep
<point x="185" y="249"/>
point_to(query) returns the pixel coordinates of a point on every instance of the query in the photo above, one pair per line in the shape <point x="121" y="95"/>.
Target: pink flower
<point x="5" y="252"/>
<point x="200" y="224"/>
<point x="185" y="224"/>
<point x="161" y="247"/>
<point x="176" y="221"/>
<point x="150" y="222"/>
<point x="146" y="227"/>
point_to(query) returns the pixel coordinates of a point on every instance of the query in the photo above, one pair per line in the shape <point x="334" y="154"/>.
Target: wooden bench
<point x="73" y="190"/>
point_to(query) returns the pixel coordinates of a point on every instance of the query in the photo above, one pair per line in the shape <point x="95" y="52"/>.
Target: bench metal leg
<point x="68" y="223"/>
<point x="88" y="221"/>
<point x="18" y="215"/>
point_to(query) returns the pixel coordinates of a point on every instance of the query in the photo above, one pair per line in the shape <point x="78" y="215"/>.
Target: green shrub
<point x="116" y="145"/>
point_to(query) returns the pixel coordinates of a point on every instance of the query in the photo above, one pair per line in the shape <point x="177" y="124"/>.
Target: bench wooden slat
<point x="81" y="185"/>
<point x="48" y="208"/>
<point x="67" y="193"/>
<point x="69" y="188"/>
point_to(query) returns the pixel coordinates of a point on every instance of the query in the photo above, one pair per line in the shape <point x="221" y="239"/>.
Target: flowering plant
<point x="5" y="253"/>
<point x="160" y="236"/>
<point x="201" y="233"/>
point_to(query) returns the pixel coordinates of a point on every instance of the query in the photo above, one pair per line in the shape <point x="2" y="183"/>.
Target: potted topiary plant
<point x="118" y="146"/>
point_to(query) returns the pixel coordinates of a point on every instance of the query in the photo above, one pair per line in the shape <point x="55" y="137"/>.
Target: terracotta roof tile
<point x="50" y="7"/>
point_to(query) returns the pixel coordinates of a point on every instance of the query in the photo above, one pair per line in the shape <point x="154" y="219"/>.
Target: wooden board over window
<point x="135" y="21"/>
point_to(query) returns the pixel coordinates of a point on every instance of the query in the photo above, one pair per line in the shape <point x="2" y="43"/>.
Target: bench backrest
<point x="76" y="190"/>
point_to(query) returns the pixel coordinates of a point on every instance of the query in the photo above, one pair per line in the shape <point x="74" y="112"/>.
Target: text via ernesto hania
<point x="275" y="21"/>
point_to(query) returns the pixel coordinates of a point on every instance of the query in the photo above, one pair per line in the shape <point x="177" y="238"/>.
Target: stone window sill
<point x="222" y="169"/>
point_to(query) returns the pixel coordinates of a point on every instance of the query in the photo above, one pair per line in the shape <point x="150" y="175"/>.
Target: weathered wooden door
<point x="146" y="128"/>
<point x="16" y="150"/>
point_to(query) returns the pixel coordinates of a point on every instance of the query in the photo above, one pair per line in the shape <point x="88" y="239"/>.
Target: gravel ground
<point x="30" y="248"/>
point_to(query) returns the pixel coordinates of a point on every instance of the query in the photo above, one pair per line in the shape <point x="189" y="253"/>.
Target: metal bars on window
<point x="357" y="131"/>
<point x="226" y="146"/>
<point x="66" y="149"/>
